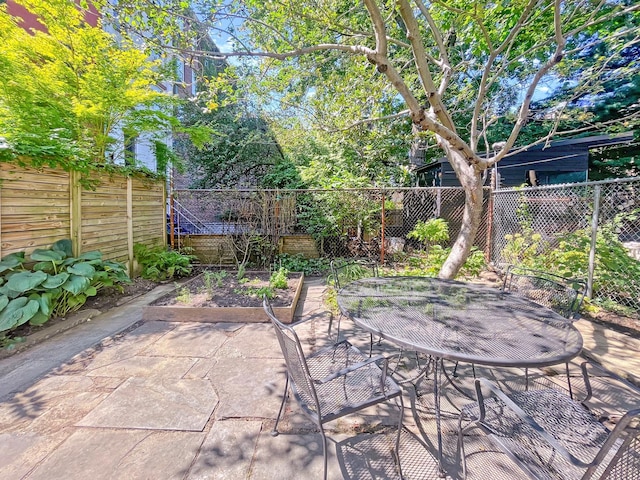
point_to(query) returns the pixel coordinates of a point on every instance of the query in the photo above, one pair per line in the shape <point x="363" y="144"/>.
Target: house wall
<point x="551" y="161"/>
<point x="40" y="206"/>
<point x="561" y="164"/>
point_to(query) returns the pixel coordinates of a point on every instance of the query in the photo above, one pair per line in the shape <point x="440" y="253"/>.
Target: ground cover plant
<point x="298" y="263"/>
<point x="50" y="283"/>
<point x="616" y="274"/>
<point x="160" y="264"/>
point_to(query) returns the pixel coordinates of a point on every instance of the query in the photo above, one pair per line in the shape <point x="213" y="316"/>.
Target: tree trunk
<point x="471" y="181"/>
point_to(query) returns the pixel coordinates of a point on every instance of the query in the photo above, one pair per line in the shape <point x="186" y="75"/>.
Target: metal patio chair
<point x="333" y="382"/>
<point x="562" y="295"/>
<point x="346" y="273"/>
<point x="549" y="435"/>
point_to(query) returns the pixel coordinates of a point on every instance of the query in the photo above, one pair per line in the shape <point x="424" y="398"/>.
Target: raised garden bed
<point x="226" y="300"/>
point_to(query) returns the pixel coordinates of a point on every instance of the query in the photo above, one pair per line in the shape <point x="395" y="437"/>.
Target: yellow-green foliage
<point x="63" y="92"/>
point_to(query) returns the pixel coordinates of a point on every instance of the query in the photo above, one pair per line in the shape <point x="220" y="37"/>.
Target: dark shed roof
<point x="561" y="161"/>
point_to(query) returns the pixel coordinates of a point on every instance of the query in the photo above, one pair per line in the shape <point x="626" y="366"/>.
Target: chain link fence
<point x="589" y="230"/>
<point x="225" y="226"/>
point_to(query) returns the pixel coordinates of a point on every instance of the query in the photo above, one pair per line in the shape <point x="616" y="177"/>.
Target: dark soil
<point x="112" y="297"/>
<point x="614" y="321"/>
<point x="229" y="292"/>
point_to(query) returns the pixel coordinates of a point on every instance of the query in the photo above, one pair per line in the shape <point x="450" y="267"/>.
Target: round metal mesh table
<point x="459" y="321"/>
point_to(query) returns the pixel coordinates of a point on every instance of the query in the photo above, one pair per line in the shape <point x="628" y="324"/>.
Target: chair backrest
<point x="341" y="274"/>
<point x="560" y="294"/>
<point x="624" y="440"/>
<point x="295" y="361"/>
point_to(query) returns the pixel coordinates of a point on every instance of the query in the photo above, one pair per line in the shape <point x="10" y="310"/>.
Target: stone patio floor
<point x="119" y="398"/>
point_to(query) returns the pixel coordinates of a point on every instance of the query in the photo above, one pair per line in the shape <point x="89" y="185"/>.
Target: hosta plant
<point x="51" y="282"/>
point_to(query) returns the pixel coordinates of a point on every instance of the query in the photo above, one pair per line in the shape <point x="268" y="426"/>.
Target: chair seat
<point x="333" y="382"/>
<point x="568" y="421"/>
<point x="350" y="392"/>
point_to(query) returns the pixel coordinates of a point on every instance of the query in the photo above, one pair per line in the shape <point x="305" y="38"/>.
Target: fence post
<point x="172" y="212"/>
<point x="75" y="211"/>
<point x="1" y="180"/>
<point x="597" y="193"/>
<point x="382" y="232"/>
<point x="490" y="207"/>
<point x="130" y="223"/>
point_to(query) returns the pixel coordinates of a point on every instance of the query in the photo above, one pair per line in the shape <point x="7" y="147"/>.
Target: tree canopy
<point x="463" y="73"/>
<point x="65" y="91"/>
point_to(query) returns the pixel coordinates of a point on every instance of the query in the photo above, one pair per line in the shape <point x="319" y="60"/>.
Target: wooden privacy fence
<point x="41" y="206"/>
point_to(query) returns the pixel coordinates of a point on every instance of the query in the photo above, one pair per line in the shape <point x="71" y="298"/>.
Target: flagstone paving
<point x="121" y="398"/>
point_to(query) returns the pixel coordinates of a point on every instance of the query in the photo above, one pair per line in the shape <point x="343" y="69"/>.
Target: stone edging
<point x="50" y="331"/>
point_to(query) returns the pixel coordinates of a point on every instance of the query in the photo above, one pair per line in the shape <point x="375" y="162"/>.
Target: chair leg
<point x="397" y="452"/>
<point x="569" y="380"/>
<point x="324" y="451"/>
<point x="461" y="455"/>
<point x="370" y="344"/>
<point x="285" y="395"/>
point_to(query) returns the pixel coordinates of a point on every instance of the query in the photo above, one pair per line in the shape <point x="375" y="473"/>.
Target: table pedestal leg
<point x="437" y="370"/>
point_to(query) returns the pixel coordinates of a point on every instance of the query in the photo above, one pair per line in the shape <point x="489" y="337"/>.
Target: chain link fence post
<point x="597" y="194"/>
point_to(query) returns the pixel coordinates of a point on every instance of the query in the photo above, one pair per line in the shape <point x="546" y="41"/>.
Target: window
<point x="129" y="150"/>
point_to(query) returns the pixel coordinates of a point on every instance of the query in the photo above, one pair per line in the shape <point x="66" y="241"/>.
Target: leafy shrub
<point x="51" y="282"/>
<point x="429" y="265"/>
<point x="434" y="231"/>
<point x="615" y="271"/>
<point x="241" y="272"/>
<point x="432" y="234"/>
<point x="522" y="248"/>
<point x="298" y="263"/>
<point x="349" y="271"/>
<point x="474" y="264"/>
<point x="278" y="279"/>
<point x="159" y="264"/>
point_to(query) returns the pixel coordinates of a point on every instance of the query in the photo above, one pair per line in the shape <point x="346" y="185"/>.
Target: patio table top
<point x="460" y="321"/>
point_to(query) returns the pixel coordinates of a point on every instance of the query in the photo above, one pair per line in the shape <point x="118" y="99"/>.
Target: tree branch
<point x="378" y="27"/>
<point x="420" y="59"/>
<point x="524" y="108"/>
<point x="493" y="54"/>
<point x="365" y="121"/>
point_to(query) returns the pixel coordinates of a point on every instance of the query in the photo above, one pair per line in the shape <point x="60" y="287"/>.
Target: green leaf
<point x="63" y="246"/>
<point x="91" y="291"/>
<point x="4" y="301"/>
<point x="76" y="301"/>
<point x="28" y="311"/>
<point x="39" y="319"/>
<point x="93" y="255"/>
<point x="4" y="290"/>
<point x="54" y="281"/>
<point x="25" y="281"/>
<point x="45" y="304"/>
<point x="12" y="313"/>
<point x="11" y="261"/>
<point x="43" y="266"/>
<point x="76" y="284"/>
<point x="40" y="255"/>
<point x="83" y="268"/>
